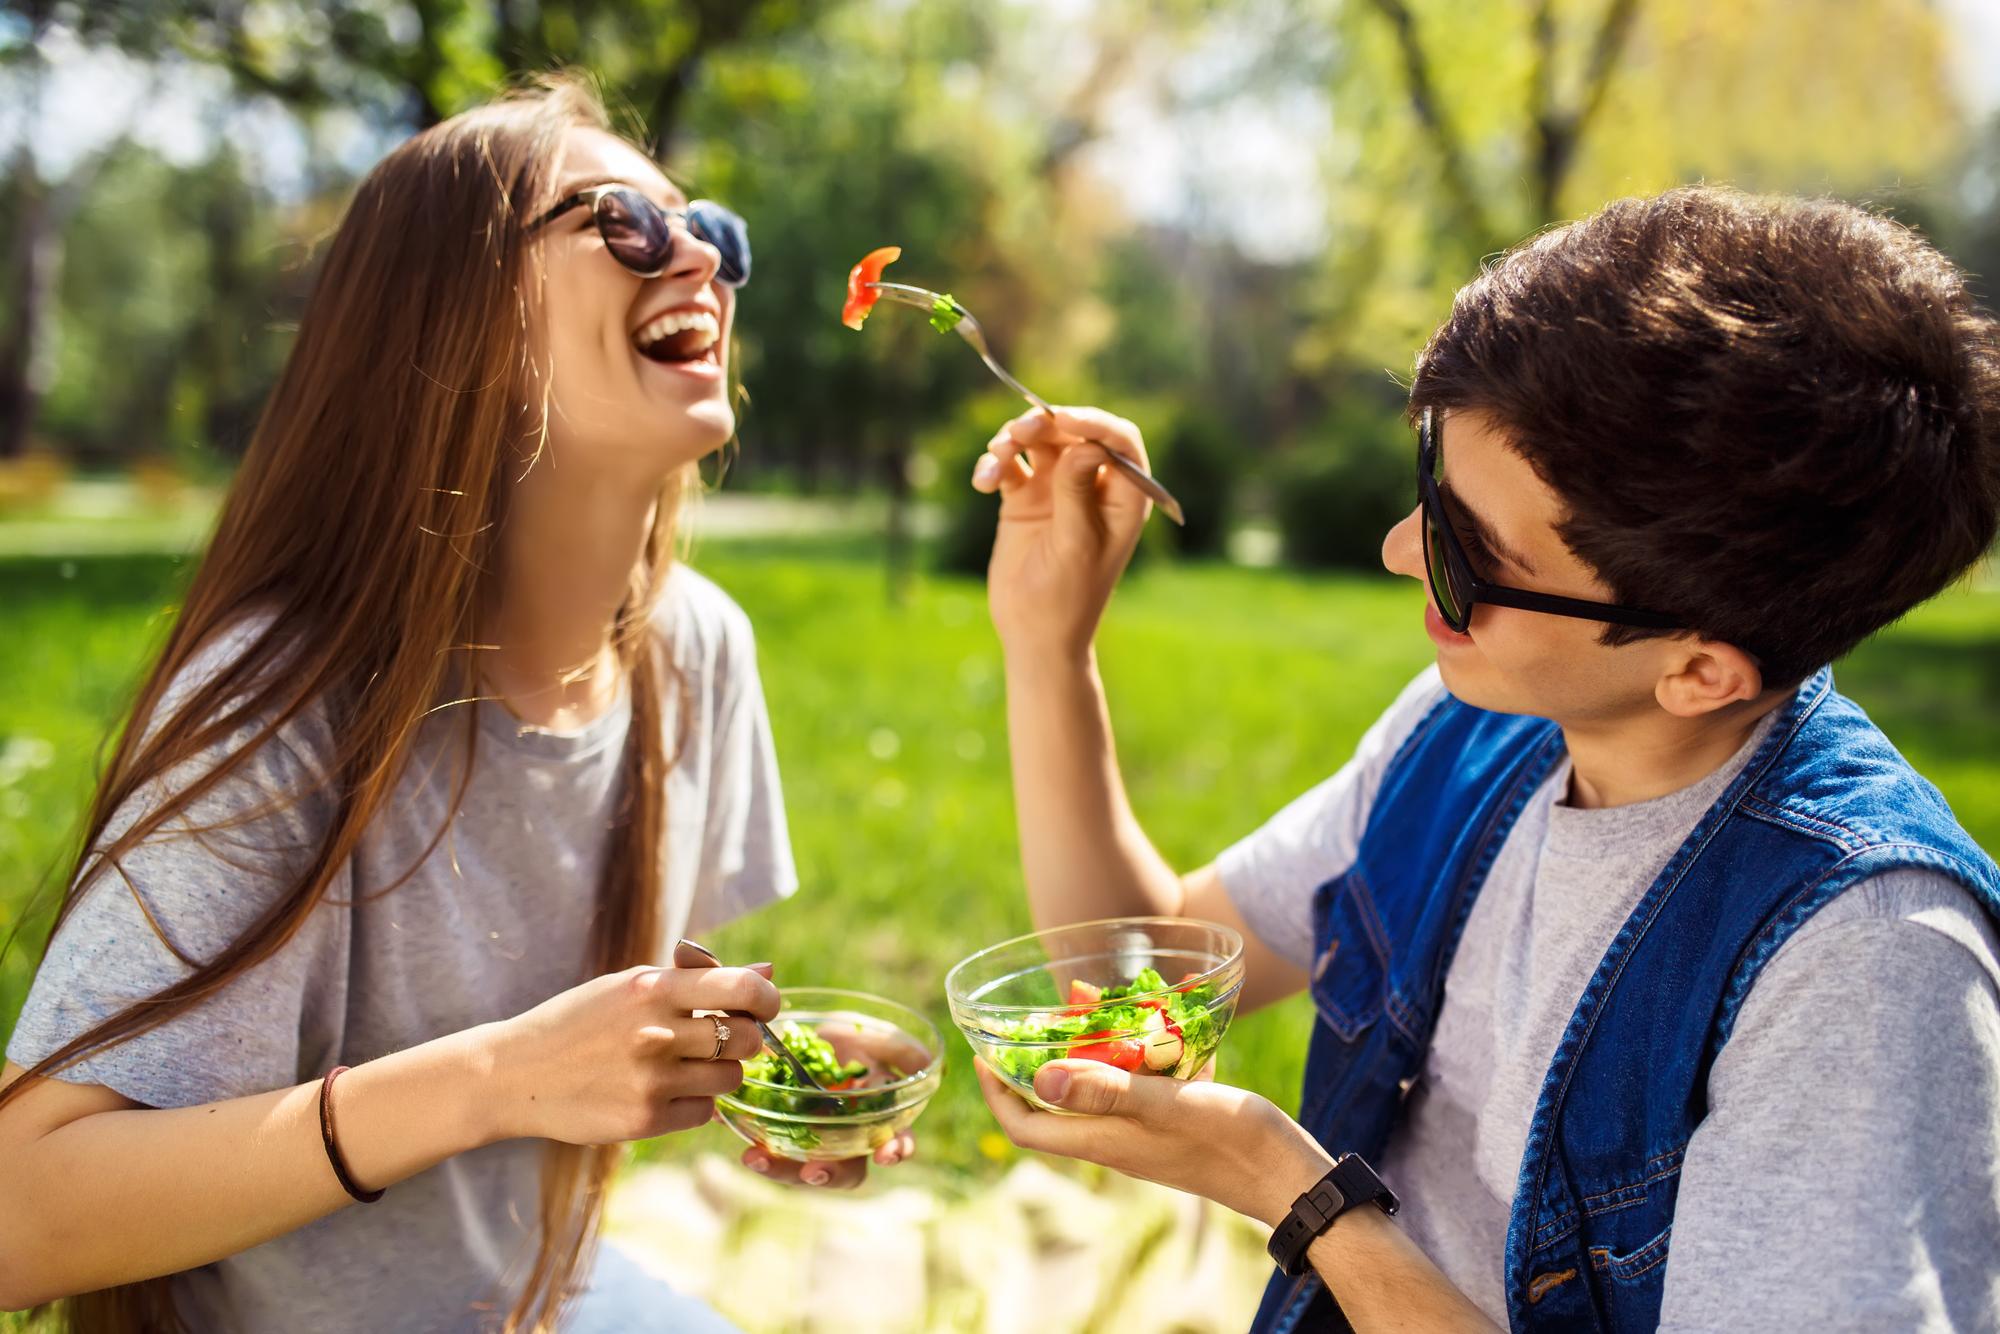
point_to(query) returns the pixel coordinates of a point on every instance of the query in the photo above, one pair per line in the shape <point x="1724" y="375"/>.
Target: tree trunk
<point x="1474" y="228"/>
<point x="32" y="253"/>
<point x="227" y="411"/>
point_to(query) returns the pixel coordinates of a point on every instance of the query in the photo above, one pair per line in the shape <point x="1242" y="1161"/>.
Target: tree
<point x="352" y="52"/>
<point x="1461" y="128"/>
<point x="37" y="211"/>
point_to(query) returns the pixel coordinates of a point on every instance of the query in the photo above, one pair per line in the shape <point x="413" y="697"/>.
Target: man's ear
<point x="1705" y="676"/>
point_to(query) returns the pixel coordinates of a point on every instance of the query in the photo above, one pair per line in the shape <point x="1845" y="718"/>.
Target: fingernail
<point x="1055" y="1084"/>
<point x="986" y="469"/>
<point x="765" y="966"/>
<point x="815" y="1176"/>
<point x="757" y="1165"/>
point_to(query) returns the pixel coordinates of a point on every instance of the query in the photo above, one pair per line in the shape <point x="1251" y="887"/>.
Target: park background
<point x="1234" y="223"/>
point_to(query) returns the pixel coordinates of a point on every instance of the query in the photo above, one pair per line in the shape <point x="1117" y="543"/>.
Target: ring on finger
<point x="721" y="1037"/>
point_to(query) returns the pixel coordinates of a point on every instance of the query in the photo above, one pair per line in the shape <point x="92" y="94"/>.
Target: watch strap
<point x="1351" y="1182"/>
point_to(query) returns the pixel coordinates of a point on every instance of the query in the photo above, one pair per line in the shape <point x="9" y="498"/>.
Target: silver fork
<point x="770" y="1038"/>
<point x="968" y="328"/>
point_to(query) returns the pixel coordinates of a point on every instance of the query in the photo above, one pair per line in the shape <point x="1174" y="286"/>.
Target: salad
<point x="824" y="1064"/>
<point x="1144" y="1025"/>
<point x="770" y="1084"/>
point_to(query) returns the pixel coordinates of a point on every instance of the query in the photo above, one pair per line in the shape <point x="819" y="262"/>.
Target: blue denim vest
<point x="1825" y="802"/>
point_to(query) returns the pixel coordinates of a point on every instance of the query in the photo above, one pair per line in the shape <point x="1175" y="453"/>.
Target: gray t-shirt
<point x="494" y="920"/>
<point x="1847" y="1176"/>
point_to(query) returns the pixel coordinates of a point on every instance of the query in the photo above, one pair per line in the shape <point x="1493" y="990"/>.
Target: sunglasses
<point x="1457" y="590"/>
<point x="640" y="234"/>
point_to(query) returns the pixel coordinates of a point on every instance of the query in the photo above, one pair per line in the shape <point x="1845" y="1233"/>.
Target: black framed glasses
<point x="1456" y="590"/>
<point x="640" y="234"/>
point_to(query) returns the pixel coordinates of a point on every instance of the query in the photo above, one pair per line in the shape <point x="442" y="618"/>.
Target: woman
<point x="441" y="751"/>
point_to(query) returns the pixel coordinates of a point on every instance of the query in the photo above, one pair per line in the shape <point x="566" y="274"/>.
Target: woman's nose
<point x="1403" y="547"/>
<point x="693" y="259"/>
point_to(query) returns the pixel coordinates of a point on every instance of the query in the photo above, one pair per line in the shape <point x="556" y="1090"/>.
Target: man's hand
<point x="1239" y="1150"/>
<point x="1205" y="1138"/>
<point x="1066" y="529"/>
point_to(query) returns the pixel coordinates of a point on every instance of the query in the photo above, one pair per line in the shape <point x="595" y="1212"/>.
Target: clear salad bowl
<point x="1152" y="995"/>
<point x="879" y="1061"/>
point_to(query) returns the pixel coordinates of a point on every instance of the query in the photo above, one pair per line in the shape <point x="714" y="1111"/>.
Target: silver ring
<point x="721" y="1037"/>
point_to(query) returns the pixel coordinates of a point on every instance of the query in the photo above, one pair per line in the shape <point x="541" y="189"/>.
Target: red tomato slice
<point x="861" y="297"/>
<point x="1187" y="982"/>
<point x="1083" y="997"/>
<point x="843" y="1085"/>
<point x="1125" y="1053"/>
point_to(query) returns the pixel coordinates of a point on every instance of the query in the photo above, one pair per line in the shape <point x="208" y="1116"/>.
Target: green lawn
<point x="1232" y="690"/>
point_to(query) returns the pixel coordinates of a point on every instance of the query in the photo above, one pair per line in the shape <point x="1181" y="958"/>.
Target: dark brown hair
<point x="1772" y="418"/>
<point x="364" y="521"/>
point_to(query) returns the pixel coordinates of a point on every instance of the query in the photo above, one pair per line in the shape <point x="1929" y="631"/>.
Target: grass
<point x="1232" y="690"/>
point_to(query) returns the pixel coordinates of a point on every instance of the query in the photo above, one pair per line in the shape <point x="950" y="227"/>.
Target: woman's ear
<point x="1706" y="676"/>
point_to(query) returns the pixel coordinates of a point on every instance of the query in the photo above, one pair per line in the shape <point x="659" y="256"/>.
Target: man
<point x="1646" y="972"/>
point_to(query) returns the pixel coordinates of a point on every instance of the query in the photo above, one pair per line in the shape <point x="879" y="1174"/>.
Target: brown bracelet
<point x="332" y="1148"/>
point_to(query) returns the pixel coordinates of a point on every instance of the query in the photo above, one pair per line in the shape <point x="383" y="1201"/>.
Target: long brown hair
<point x="363" y="522"/>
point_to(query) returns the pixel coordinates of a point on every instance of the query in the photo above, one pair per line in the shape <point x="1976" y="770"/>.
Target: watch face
<point x="1359" y="1184"/>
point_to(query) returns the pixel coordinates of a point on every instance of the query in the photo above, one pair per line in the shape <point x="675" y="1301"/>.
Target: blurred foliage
<point x="966" y="518"/>
<point x="1348" y="479"/>
<point x="1461" y="128"/>
<point x="1201" y="457"/>
<point x="830" y="404"/>
<point x="168" y="374"/>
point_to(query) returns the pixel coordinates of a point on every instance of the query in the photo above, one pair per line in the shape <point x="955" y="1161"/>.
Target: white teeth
<point x="679" y="321"/>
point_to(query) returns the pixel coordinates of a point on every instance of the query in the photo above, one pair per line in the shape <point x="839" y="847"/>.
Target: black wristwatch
<point x="1351" y="1182"/>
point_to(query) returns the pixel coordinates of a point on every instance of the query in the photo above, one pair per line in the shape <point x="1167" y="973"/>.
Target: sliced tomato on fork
<point x="861" y="297"/>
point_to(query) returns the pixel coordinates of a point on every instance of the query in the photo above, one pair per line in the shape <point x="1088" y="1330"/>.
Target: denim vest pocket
<point x="1630" y="1283"/>
<point x="1635" y="1264"/>
<point x="1350" y="970"/>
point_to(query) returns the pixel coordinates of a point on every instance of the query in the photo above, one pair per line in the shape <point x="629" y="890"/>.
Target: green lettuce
<point x="1190" y="1010"/>
<point x="946" y="313"/>
<point x="792" y="1097"/>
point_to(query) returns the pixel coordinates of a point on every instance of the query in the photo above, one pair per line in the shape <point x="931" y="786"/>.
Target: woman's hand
<point x="1205" y="1138"/>
<point x="625" y="1056"/>
<point x="875" y="1047"/>
<point x="1066" y="531"/>
<point x="845" y="1174"/>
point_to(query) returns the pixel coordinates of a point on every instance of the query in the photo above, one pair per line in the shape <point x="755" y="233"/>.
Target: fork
<point x="968" y="328"/>
<point x="770" y="1039"/>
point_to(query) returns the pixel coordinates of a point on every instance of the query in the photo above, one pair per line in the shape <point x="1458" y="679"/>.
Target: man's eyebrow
<point x="1483" y="530"/>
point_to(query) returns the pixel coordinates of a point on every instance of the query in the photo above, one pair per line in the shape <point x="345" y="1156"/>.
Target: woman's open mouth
<point x="680" y="337"/>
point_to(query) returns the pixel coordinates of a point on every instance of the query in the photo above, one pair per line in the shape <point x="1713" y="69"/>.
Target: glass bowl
<point x="805" y="1126"/>
<point x="1030" y="1000"/>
